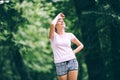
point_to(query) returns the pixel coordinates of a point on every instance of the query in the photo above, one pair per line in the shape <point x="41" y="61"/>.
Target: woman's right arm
<point x="52" y="30"/>
<point x="52" y="26"/>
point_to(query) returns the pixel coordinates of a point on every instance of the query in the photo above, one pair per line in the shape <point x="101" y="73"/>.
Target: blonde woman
<point x="64" y="57"/>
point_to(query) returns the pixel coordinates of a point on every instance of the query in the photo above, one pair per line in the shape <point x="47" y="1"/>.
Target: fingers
<point x="61" y="15"/>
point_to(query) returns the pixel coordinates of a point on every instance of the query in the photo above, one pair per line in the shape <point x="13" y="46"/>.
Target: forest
<point x="25" y="50"/>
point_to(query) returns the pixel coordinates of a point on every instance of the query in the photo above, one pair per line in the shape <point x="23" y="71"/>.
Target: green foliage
<point x="35" y="49"/>
<point x="8" y="19"/>
<point x="24" y="31"/>
<point x="33" y="36"/>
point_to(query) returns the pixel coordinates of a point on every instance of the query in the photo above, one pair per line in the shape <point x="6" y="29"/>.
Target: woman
<point x="64" y="57"/>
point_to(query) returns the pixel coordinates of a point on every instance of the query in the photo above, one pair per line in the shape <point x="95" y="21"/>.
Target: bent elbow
<point x="82" y="46"/>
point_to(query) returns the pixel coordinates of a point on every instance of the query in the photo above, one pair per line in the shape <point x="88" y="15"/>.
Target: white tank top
<point x="61" y="46"/>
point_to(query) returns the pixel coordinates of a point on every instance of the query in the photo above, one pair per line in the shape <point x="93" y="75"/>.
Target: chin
<point x="64" y="26"/>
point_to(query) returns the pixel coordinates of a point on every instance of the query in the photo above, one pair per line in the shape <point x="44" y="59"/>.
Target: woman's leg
<point x="72" y="75"/>
<point x="64" y="77"/>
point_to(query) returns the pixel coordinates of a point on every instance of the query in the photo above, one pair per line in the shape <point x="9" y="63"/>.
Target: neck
<point x="60" y="32"/>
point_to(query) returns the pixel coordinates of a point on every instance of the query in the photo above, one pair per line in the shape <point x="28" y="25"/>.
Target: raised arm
<point x="53" y="23"/>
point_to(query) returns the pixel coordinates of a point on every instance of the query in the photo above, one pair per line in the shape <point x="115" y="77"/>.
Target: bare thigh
<point x="72" y="75"/>
<point x="64" y="77"/>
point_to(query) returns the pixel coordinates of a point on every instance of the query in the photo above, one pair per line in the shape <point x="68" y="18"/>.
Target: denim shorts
<point x="64" y="67"/>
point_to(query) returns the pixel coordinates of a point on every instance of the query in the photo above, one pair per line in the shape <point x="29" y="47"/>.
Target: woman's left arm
<point x="79" y="45"/>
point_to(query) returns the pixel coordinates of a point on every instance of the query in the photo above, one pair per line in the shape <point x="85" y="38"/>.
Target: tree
<point x="24" y="37"/>
<point x="95" y="22"/>
<point x="10" y="17"/>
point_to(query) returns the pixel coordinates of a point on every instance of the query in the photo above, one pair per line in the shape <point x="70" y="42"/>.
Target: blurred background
<point x="25" y="50"/>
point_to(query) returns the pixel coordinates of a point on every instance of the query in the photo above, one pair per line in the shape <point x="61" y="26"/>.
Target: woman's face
<point x="60" y="23"/>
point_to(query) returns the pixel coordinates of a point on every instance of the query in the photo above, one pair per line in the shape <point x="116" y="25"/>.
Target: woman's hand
<point x="61" y="15"/>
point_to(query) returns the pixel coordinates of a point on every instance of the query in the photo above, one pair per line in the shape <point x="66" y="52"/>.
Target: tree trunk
<point x="115" y="49"/>
<point x="91" y="41"/>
